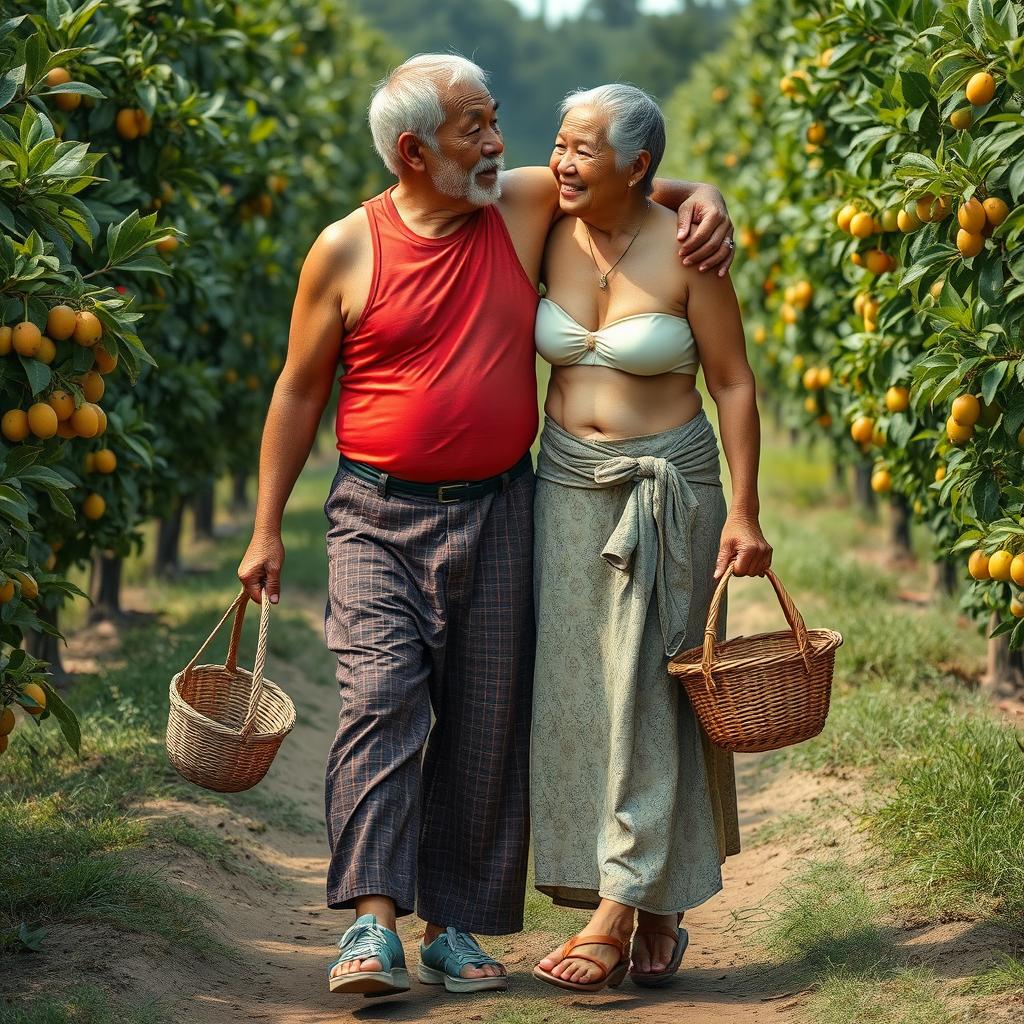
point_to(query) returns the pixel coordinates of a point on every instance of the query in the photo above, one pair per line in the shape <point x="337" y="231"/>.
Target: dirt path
<point x="276" y="918"/>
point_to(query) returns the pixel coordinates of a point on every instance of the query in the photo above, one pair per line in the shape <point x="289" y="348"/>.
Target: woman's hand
<point x="710" y="244"/>
<point x="743" y="542"/>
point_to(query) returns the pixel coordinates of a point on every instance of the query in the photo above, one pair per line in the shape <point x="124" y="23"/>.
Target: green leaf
<point x="66" y="718"/>
<point x="985" y="498"/>
<point x="991" y="380"/>
<point x="39" y="375"/>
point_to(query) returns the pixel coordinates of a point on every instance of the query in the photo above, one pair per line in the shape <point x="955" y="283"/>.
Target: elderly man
<point x="427" y="295"/>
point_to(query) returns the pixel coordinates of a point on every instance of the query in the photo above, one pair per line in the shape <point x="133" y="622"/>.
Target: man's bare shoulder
<point x="343" y="241"/>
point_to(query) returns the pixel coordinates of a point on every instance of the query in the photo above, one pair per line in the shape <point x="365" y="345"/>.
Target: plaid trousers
<point x="430" y="607"/>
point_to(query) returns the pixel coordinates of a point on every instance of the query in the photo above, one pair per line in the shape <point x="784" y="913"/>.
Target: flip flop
<point x="367" y="940"/>
<point x="442" y="961"/>
<point x="610" y="978"/>
<point x="657" y="979"/>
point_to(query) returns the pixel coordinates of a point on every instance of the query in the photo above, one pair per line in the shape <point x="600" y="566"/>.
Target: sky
<point x="558" y="9"/>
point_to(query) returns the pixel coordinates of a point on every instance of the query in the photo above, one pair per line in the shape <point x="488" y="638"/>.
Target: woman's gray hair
<point x="635" y="123"/>
<point x="408" y="99"/>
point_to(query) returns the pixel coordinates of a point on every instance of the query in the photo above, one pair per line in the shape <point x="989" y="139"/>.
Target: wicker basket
<point x="225" y="724"/>
<point x="760" y="692"/>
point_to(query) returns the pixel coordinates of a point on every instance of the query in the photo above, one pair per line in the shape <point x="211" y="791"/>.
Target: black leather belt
<point x="446" y="492"/>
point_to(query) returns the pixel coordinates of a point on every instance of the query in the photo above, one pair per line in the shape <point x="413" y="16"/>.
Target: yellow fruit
<point x="1016" y="608"/>
<point x="7" y="591"/>
<point x="7" y="722"/>
<point x="65" y="430"/>
<point x="971" y="216"/>
<point x="29" y="587"/>
<point x="51" y="562"/>
<point x="824" y="376"/>
<point x="862" y="428"/>
<point x="786" y="84"/>
<point x="105" y="362"/>
<point x="14" y="425"/>
<point x="803" y="292"/>
<point x="923" y="209"/>
<point x="62" y="404"/>
<point x="844" y="216"/>
<point x="966" y="410"/>
<point x="824" y="420"/>
<point x="104" y="461"/>
<point x="57" y="76"/>
<point x="811" y="378"/>
<point x="168" y="244"/>
<point x="26" y="339"/>
<point x="999" y="565"/>
<point x="871" y="308"/>
<point x="92" y="385"/>
<point x="47" y="350"/>
<point x="897" y="399"/>
<point x="101" y="416"/>
<point x="127" y="123"/>
<point x="825" y="58"/>
<point x="810" y="404"/>
<point x="977" y="565"/>
<point x="798" y="362"/>
<point x="995" y="210"/>
<point x="980" y="89"/>
<point x="877" y="437"/>
<point x="42" y="420"/>
<point x="60" y="322"/>
<point x="958" y="433"/>
<point x="936" y="289"/>
<point x="789" y="313"/>
<point x="881" y="481"/>
<point x="890" y="219"/>
<point x="93" y="507"/>
<point x="940" y="474"/>
<point x="816" y="133"/>
<point x="1020" y="438"/>
<point x="942" y="209"/>
<point x="961" y="119"/>
<point x="989" y="414"/>
<point x="856" y="259"/>
<point x="907" y="221"/>
<point x="877" y="262"/>
<point x="760" y="335"/>
<point x="862" y="225"/>
<point x="858" y="303"/>
<point x="1017" y="570"/>
<point x="969" y="244"/>
<point x="35" y="692"/>
<point x="918" y="508"/>
<point x="89" y="462"/>
<point x="6" y="335"/>
<point x="88" y="329"/>
<point x="85" y="422"/>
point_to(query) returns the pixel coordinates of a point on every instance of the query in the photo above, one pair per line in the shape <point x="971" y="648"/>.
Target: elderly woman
<point x="634" y="811"/>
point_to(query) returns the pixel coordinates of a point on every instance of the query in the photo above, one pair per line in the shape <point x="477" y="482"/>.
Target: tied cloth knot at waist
<point x="651" y="544"/>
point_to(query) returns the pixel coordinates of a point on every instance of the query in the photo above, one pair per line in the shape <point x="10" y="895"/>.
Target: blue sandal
<point x="367" y="940"/>
<point x="442" y="961"/>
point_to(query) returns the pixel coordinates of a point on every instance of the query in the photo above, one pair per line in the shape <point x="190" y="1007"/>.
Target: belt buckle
<point x="447" y="501"/>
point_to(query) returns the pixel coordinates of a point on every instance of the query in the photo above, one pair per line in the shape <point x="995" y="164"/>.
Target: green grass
<point x="538" y="1010"/>
<point x="905" y="996"/>
<point x="89" y="1005"/>
<point x="68" y="826"/>
<point x="1005" y="977"/>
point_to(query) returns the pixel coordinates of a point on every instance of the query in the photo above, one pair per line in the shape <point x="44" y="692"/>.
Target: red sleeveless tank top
<point x="439" y="379"/>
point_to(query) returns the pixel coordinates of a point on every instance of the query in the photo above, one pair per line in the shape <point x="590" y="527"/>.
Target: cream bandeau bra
<point x="645" y="344"/>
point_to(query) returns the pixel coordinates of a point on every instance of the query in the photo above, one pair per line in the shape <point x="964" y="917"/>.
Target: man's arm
<point x="535" y="189"/>
<point x="297" y="404"/>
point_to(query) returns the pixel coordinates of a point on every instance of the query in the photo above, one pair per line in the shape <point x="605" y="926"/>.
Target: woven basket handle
<point x="789" y="609"/>
<point x="231" y="662"/>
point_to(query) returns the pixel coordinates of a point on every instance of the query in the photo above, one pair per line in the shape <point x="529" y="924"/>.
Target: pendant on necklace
<point x="603" y="283"/>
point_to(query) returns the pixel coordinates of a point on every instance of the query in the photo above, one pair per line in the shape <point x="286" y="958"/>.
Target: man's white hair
<point x="635" y="123"/>
<point x="408" y="99"/>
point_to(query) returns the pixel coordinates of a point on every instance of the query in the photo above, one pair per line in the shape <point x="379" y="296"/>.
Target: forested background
<point x="534" y="63"/>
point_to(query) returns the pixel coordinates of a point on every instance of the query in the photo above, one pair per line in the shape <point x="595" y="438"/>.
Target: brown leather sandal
<point x="656" y="979"/>
<point x="610" y="978"/>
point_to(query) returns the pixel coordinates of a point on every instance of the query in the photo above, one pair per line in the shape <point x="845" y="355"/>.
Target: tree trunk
<point x="239" y="499"/>
<point x="840" y="478"/>
<point x="202" y="512"/>
<point x="945" y="577"/>
<point x="862" y="485"/>
<point x="105" y="587"/>
<point x="794" y="436"/>
<point x="899" y="538"/>
<point x="48" y="648"/>
<point x="1005" y="671"/>
<point x="169" y="540"/>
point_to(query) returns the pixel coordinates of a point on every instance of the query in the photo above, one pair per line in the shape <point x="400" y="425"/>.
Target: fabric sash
<point x="651" y="543"/>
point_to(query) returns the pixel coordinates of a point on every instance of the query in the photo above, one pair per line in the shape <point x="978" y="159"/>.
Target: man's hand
<point x="705" y="230"/>
<point x="743" y="542"/>
<point x="261" y="566"/>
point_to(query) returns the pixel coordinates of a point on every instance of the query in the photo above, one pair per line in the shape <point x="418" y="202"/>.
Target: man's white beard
<point x="451" y="180"/>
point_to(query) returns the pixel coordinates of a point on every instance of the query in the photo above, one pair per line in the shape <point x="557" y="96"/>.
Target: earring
<point x="631" y="184"/>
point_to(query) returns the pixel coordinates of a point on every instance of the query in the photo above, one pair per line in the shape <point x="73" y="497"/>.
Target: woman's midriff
<point x="600" y="403"/>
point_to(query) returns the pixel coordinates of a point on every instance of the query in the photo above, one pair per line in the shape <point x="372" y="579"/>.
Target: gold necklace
<point x="602" y="281"/>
